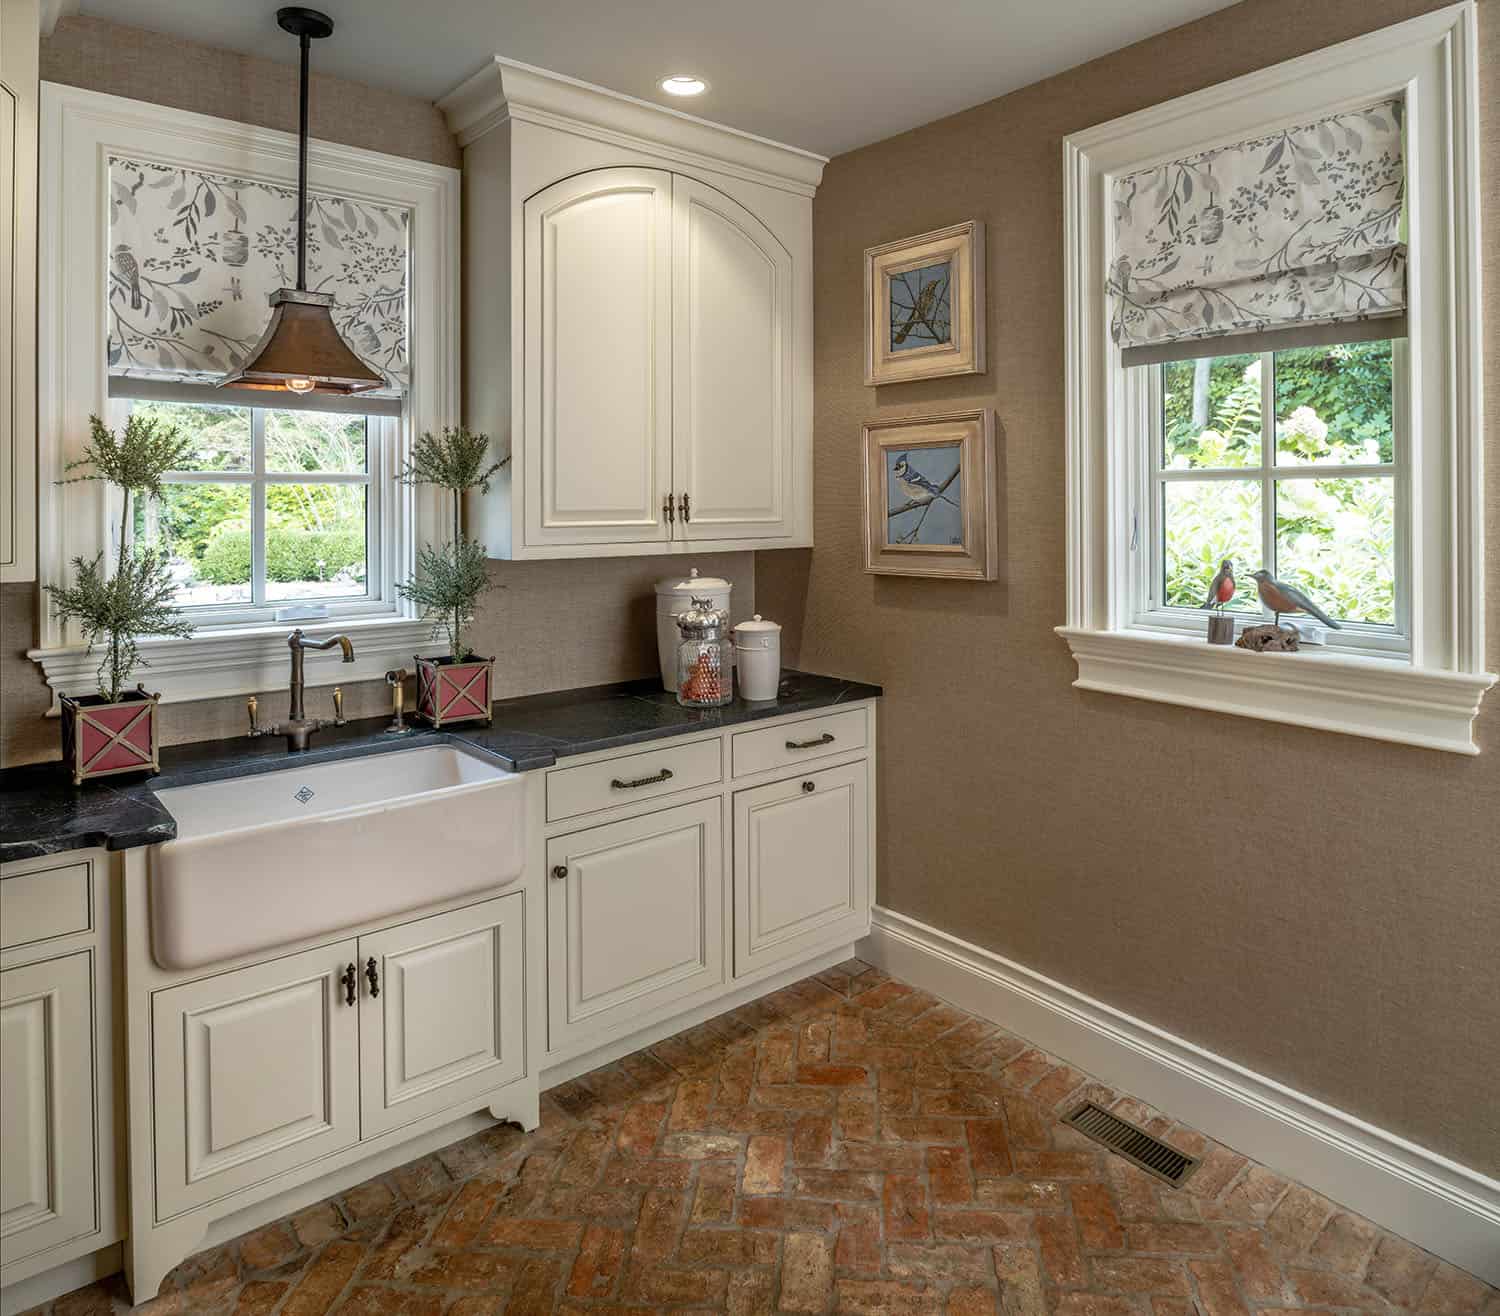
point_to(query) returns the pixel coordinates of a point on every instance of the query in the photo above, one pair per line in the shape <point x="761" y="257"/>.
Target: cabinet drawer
<point x="633" y="777"/>
<point x="47" y="902"/>
<point x="793" y="743"/>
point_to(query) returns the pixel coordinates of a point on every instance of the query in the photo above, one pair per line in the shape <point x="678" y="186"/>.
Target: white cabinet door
<point x="48" y="1186"/>
<point x="256" y="1071"/>
<point x="732" y="368"/>
<point x="801" y="866"/>
<point x="18" y="225"/>
<point x="598" y="336"/>
<point x="443" y="1015"/>
<point x="635" y="920"/>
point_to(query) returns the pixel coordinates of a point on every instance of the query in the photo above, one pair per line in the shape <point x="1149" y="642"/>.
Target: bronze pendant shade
<point x="301" y="350"/>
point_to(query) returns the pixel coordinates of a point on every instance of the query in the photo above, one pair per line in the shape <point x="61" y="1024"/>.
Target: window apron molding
<point x="80" y="131"/>
<point x="1430" y="695"/>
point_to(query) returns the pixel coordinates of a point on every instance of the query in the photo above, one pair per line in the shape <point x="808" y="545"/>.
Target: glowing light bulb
<point x="683" y="84"/>
<point x="300" y="385"/>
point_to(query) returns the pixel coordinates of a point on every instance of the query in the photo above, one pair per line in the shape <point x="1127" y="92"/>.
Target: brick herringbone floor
<point x="849" y="1144"/>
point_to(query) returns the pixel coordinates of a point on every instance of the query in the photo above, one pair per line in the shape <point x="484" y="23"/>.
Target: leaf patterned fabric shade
<point x="1299" y="233"/>
<point x="194" y="257"/>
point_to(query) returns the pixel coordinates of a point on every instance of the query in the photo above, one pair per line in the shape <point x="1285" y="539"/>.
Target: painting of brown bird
<point x="1280" y="598"/>
<point x="918" y="313"/>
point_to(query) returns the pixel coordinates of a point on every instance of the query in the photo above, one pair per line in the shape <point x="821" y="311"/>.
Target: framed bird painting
<point x="924" y="306"/>
<point x="930" y="496"/>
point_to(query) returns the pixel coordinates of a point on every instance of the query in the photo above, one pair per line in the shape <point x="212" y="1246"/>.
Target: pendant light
<point x="301" y="350"/>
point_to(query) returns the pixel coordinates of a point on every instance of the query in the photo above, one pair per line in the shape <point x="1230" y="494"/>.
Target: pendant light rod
<point x="305" y="25"/>
<point x="305" y="42"/>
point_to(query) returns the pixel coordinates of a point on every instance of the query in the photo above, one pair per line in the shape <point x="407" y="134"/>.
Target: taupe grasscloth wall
<point x="1321" y="908"/>
<point x="550" y="625"/>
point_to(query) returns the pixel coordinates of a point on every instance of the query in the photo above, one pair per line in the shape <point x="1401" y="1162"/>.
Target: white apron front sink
<point x="266" y="860"/>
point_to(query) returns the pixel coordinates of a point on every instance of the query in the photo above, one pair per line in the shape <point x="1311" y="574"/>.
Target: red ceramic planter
<point x="449" y="691"/>
<point x="103" y="739"/>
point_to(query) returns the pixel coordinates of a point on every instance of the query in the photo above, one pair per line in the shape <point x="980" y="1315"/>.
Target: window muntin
<point x="278" y="509"/>
<point x="1292" y="460"/>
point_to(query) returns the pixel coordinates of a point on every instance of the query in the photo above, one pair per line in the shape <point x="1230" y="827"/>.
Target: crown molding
<point x="506" y="90"/>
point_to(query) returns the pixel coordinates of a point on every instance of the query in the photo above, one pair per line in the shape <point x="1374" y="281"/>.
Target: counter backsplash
<point x="549" y="626"/>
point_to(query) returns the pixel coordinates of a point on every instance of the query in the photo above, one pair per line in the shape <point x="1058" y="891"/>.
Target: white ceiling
<point x="826" y="75"/>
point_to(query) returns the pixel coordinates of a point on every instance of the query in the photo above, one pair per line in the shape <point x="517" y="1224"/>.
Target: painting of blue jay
<point x="924" y="495"/>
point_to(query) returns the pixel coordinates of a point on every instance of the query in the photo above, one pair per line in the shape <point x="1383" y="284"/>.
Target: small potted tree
<point x="450" y="578"/>
<point x="115" y="730"/>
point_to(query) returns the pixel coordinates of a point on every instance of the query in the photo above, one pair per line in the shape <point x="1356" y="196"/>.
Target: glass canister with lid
<point x="704" y="656"/>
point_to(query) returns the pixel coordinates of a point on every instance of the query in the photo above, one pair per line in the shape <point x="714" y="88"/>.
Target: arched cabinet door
<point x="598" y="356"/>
<point x="731" y="369"/>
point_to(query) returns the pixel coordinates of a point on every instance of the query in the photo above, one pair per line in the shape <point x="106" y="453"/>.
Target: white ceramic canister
<point x="675" y="594"/>
<point x="757" y="658"/>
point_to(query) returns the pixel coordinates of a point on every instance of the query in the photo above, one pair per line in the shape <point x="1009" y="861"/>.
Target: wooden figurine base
<point x="1220" y="629"/>
<point x="1269" y="639"/>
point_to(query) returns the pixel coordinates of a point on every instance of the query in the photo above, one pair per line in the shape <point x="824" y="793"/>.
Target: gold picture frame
<point x="924" y="306"/>
<point x="929" y="485"/>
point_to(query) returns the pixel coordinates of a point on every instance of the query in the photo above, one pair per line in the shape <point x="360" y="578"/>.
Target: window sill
<point x="247" y="660"/>
<point x="1375" y="697"/>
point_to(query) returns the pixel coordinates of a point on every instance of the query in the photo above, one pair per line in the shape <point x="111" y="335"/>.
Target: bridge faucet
<point x="298" y="727"/>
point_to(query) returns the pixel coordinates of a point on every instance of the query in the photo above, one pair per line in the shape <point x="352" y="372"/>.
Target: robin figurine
<point x="1221" y="587"/>
<point x="1280" y="598"/>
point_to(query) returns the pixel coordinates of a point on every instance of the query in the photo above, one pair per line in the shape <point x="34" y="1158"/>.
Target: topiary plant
<point x="451" y="578"/>
<point x="137" y="598"/>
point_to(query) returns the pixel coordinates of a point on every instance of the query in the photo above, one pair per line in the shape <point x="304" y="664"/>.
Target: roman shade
<point x="1291" y="239"/>
<point x="194" y="256"/>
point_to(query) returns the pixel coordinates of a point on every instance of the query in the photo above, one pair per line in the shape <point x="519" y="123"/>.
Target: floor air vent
<point x="1135" y="1145"/>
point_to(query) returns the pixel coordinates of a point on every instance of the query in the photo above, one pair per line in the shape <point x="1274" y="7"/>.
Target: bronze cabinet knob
<point x="559" y="871"/>
<point x="809" y="787"/>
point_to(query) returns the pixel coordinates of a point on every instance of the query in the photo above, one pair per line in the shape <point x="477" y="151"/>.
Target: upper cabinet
<point x="19" y="44"/>
<point x="637" y="325"/>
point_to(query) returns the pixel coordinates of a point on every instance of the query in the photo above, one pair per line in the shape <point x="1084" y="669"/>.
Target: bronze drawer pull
<point x="349" y="978"/>
<point x="373" y="974"/>
<point x="825" y="739"/>
<point x="664" y="775"/>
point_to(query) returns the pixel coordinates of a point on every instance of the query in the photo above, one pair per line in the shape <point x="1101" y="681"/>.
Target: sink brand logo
<point x="305" y="794"/>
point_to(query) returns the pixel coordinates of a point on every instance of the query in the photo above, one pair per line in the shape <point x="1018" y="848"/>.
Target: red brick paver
<point x="847" y="1145"/>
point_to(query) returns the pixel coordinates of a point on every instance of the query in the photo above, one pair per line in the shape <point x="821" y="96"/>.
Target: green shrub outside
<point x="291" y="555"/>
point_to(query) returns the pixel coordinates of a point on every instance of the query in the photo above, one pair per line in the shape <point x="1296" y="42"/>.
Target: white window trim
<point x="1432" y="697"/>
<point x="80" y="130"/>
<point x="1142" y="427"/>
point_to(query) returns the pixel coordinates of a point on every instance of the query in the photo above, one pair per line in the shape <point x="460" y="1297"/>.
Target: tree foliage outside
<point x="1335" y="535"/>
<point x="315" y="531"/>
<point x="450" y="577"/>
<point x="137" y="598"/>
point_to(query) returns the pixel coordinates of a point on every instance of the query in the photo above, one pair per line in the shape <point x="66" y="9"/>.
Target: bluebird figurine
<point x="1281" y="598"/>
<point x="914" y="484"/>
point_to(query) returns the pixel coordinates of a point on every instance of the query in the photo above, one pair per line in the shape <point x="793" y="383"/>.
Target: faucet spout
<point x="298" y="727"/>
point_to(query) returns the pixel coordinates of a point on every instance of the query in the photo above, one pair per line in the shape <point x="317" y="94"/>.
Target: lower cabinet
<point x="446" y="1025"/>
<point x="263" y="1069"/>
<point x="48" y="1191"/>
<point x="635" y="920"/>
<point x="256" y="1071"/>
<point x="801" y="865"/>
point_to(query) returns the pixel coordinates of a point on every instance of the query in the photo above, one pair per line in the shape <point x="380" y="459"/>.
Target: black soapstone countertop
<point x="42" y="813"/>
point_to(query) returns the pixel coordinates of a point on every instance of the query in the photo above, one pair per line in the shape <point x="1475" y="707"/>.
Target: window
<point x="1273" y="353"/>
<point x="1288" y="460"/>
<point x="279" y="511"/>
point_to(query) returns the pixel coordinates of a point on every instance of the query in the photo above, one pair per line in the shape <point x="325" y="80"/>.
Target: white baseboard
<point x="1442" y="1206"/>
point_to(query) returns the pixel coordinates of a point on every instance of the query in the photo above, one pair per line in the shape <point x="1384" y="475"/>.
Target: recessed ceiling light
<point x="684" y="84"/>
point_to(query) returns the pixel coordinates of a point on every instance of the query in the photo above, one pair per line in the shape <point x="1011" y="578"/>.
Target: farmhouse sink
<point x="266" y="860"/>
